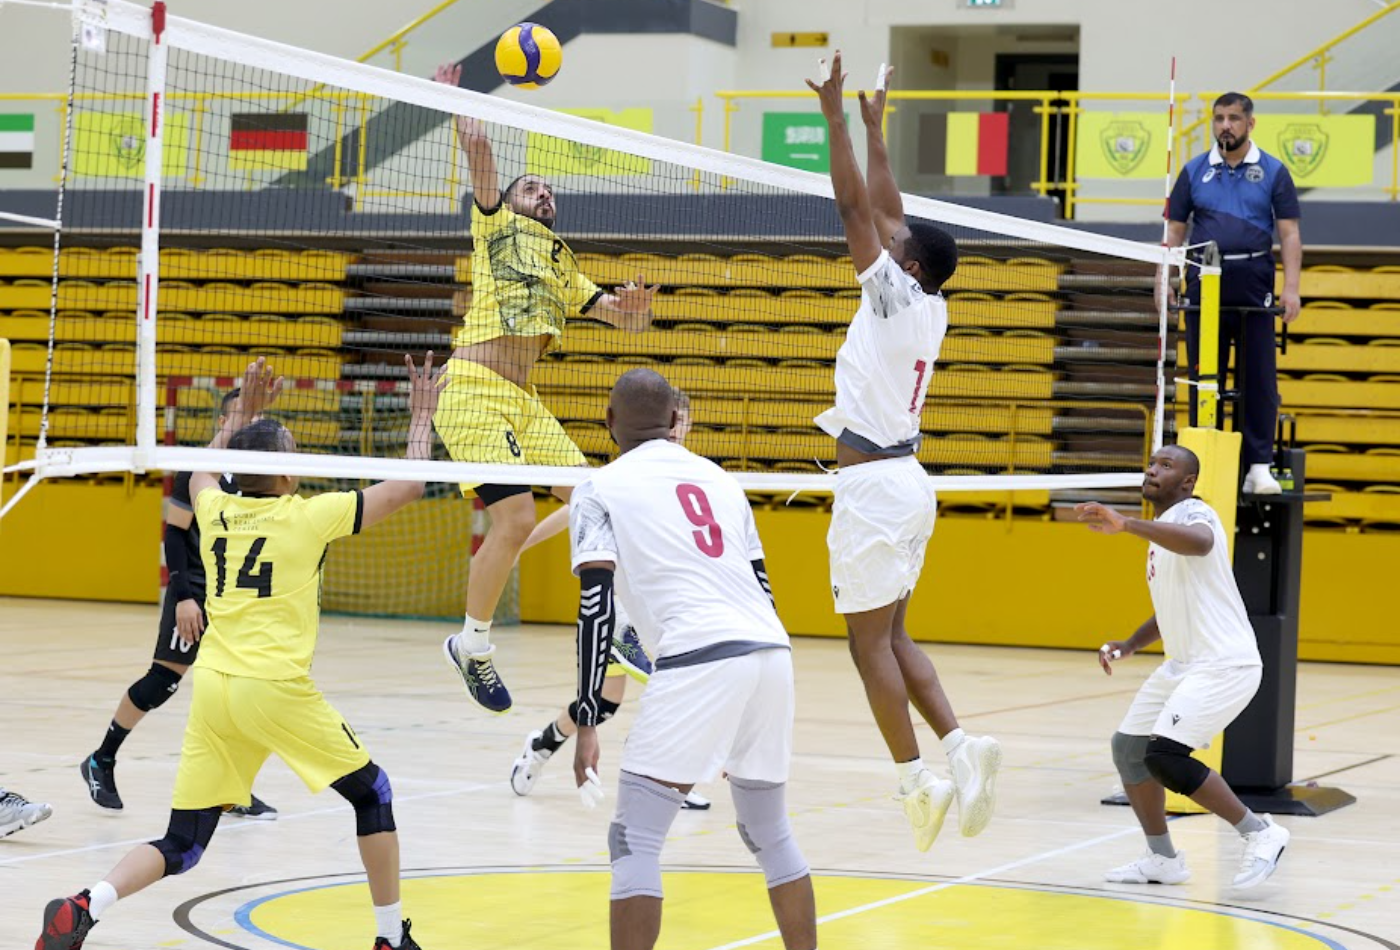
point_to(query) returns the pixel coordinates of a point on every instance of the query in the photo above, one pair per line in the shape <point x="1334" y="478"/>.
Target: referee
<point x="1236" y="195"/>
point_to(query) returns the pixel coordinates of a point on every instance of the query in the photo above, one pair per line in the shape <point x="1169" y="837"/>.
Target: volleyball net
<point x="226" y="197"/>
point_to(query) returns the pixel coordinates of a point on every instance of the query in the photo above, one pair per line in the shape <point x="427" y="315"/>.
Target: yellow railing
<point x="1070" y="105"/>
<point x="1318" y="59"/>
<point x="398" y="40"/>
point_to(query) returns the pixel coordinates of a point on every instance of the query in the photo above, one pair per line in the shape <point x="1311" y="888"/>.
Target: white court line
<point x="934" y="888"/>
<point x="282" y="819"/>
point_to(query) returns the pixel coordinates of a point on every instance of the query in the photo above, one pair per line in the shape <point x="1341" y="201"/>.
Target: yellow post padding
<point x="1217" y="486"/>
<point x="4" y="406"/>
<point x="1209" y="373"/>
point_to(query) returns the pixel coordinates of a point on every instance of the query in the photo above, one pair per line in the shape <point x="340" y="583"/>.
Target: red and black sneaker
<point x="66" y="923"/>
<point x="408" y="943"/>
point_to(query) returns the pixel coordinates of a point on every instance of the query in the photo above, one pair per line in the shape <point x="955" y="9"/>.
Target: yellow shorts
<point x="236" y="722"/>
<point x="484" y="417"/>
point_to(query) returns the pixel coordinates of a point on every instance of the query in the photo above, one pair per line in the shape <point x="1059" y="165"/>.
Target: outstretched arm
<point x="384" y="498"/>
<point x="476" y="146"/>
<point x="886" y="206"/>
<point x="852" y="200"/>
<point x="1192" y="540"/>
<point x="258" y="391"/>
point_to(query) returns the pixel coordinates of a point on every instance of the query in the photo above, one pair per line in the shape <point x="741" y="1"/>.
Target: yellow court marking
<point x="704" y="910"/>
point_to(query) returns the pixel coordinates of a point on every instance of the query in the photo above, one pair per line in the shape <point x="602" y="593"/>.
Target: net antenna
<point x="266" y="154"/>
<point x="1164" y="272"/>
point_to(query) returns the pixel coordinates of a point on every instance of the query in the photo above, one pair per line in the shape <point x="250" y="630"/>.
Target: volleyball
<point x="528" y="56"/>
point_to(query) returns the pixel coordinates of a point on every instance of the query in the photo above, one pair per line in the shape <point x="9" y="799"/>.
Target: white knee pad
<point x="761" y="810"/>
<point x="645" y="811"/>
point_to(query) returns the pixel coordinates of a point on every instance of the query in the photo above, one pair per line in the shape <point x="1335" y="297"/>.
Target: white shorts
<point x="1191" y="705"/>
<point x="733" y="714"/>
<point x="881" y="523"/>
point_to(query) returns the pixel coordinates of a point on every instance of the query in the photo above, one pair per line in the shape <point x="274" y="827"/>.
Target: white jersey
<point x="682" y="534"/>
<point x="884" y="367"/>
<point x="1199" y="608"/>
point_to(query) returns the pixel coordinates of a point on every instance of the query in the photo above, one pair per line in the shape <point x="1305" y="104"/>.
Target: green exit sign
<point x="985" y="4"/>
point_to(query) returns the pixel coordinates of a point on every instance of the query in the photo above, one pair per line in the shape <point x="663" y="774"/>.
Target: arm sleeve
<point x="1179" y="208"/>
<point x="180" y="491"/>
<point x="336" y="514"/>
<point x="760" y="570"/>
<point x="886" y="288"/>
<point x="177" y="561"/>
<point x="1285" y="197"/>
<point x="590" y="528"/>
<point x="1198" y="512"/>
<point x="596" y="621"/>
<point x="751" y="536"/>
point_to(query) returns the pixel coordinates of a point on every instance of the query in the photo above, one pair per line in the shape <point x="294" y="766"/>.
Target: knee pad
<point x="368" y="791"/>
<point x="152" y="690"/>
<point x="1129" y="753"/>
<point x="606" y="709"/>
<point x="1171" y="764"/>
<point x="761" y="811"/>
<point x="645" y="811"/>
<point x="186" y="838"/>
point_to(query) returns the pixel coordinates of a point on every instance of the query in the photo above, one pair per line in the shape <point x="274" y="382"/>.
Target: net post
<point x="1208" y="375"/>
<point x="148" y="265"/>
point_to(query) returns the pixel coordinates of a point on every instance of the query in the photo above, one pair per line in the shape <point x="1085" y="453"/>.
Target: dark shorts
<point x="169" y="647"/>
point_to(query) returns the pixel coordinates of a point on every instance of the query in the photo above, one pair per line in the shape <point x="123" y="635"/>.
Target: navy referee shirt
<point x="1234" y="207"/>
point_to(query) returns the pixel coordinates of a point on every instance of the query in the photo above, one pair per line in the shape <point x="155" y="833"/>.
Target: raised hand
<point x="872" y="109"/>
<point x="425" y="385"/>
<point x="832" y="88"/>
<point x="450" y="74"/>
<point x="259" y="390"/>
<point x="634" y="296"/>
<point x="1099" y="517"/>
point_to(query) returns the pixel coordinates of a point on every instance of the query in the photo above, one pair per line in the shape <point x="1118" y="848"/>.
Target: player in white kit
<point x="885" y="506"/>
<point x="629" y="658"/>
<point x="1211" y="673"/>
<point x="676" y="535"/>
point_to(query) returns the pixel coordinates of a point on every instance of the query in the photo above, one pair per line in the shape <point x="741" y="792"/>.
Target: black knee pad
<point x="368" y="791"/>
<point x="152" y="690"/>
<point x="606" y="709"/>
<point x="186" y="838"/>
<point x="1171" y="764"/>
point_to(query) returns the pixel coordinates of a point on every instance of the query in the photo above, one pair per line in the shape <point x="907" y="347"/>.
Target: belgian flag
<point x="267" y="141"/>
<point x="963" y="143"/>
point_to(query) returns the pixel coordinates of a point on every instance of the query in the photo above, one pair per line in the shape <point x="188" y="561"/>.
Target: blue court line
<point x="243" y="916"/>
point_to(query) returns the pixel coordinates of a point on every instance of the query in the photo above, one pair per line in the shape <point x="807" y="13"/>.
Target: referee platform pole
<point x="1256" y="755"/>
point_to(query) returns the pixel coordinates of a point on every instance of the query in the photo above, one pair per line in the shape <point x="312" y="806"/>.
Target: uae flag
<point x="963" y="143"/>
<point x="16" y="141"/>
<point x="263" y="141"/>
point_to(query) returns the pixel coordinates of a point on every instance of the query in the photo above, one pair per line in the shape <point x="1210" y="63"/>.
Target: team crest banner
<point x="1117" y="145"/>
<point x="1324" y="151"/>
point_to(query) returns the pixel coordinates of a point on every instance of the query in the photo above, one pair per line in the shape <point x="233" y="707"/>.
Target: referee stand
<point x="1257" y="751"/>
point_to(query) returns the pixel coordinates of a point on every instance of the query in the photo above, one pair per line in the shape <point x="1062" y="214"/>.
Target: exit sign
<point x="985" y="4"/>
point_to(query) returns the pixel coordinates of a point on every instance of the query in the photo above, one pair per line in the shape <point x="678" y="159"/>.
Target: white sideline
<point x="934" y="888"/>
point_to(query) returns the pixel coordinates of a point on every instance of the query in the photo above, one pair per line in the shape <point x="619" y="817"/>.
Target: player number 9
<point x="697" y="509"/>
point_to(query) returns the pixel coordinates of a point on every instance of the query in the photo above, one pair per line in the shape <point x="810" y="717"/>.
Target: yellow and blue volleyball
<point x="528" y="56"/>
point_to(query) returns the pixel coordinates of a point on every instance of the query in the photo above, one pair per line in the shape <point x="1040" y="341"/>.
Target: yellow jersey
<point x="263" y="560"/>
<point x="525" y="279"/>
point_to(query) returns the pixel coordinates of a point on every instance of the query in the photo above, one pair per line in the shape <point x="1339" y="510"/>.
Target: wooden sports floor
<point x="488" y="869"/>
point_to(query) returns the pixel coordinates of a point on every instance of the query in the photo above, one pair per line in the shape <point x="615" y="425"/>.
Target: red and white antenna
<point x="1164" y="271"/>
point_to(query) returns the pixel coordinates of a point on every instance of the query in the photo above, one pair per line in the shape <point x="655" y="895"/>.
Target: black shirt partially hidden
<point x="180" y="498"/>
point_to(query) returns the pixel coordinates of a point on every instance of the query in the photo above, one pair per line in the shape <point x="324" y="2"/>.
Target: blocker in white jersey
<point x="884" y="367"/>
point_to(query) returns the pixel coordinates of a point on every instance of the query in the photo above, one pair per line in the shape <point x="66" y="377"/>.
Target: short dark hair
<point x="227" y="402"/>
<point x="265" y="435"/>
<point x="1192" y="461"/>
<point x="936" y="252"/>
<point x="1235" y="99"/>
<point x="518" y="179"/>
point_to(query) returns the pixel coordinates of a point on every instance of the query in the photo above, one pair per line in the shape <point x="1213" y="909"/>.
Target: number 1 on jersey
<point x="916" y="405"/>
<point x="697" y="509"/>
